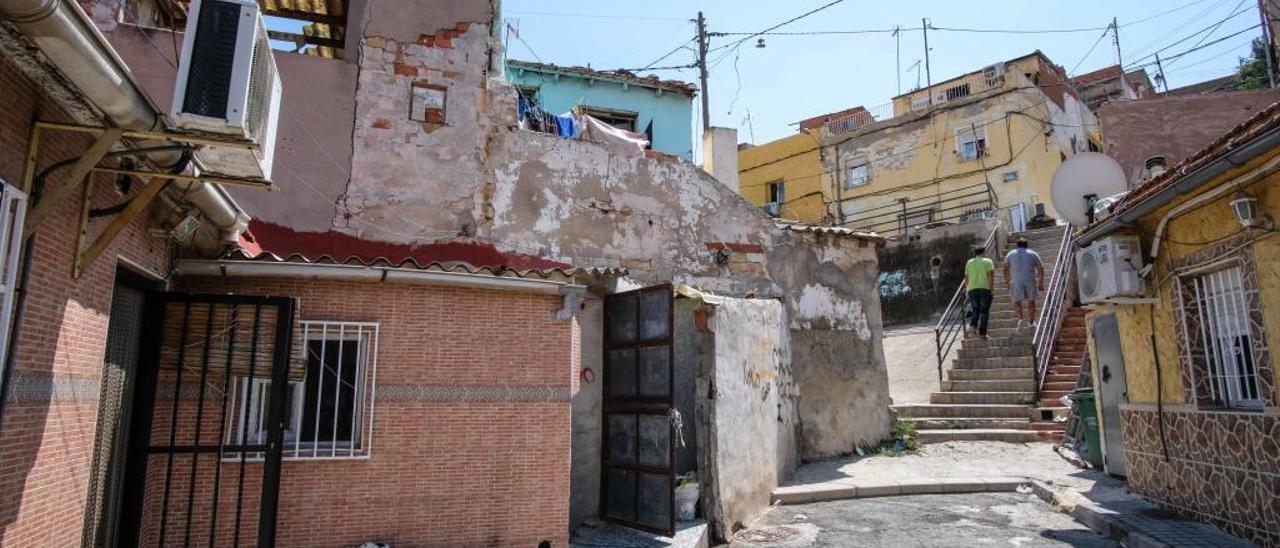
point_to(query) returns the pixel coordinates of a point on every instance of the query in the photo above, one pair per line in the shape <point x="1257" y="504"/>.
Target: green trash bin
<point x="1087" y="413"/>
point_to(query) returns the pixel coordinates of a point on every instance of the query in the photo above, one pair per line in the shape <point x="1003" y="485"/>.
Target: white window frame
<point x="13" y="212"/>
<point x="1223" y="309"/>
<point x="863" y="180"/>
<point x="967" y="136"/>
<point x="360" y="444"/>
<point x="780" y="196"/>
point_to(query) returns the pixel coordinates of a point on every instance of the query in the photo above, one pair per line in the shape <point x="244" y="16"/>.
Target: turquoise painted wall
<point x="670" y="112"/>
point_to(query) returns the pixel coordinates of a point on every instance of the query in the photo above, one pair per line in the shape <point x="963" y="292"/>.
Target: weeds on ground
<point x="904" y="440"/>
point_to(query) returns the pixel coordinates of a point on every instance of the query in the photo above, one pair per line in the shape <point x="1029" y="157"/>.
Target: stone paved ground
<point x="1100" y="500"/>
<point x="960" y="459"/>
<point x="983" y="519"/>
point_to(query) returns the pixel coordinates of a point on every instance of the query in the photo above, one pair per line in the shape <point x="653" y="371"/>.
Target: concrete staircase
<point x="990" y="389"/>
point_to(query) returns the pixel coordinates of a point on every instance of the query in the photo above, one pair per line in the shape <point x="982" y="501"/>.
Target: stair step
<point x="1048" y="426"/>
<point x="977" y="410"/>
<point x="1015" y="385"/>
<point x="993" y="363"/>
<point x="1020" y="351"/>
<point x="1004" y="373"/>
<point x="1053" y="378"/>
<point x="990" y="398"/>
<point x="995" y="340"/>
<point x="1057" y="386"/>
<point x="968" y="423"/>
<point x="978" y="434"/>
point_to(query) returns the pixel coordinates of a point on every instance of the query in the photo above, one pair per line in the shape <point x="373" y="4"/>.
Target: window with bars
<point x="1221" y="339"/>
<point x="329" y="413"/>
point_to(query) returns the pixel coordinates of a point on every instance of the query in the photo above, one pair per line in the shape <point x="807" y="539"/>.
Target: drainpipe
<point x="66" y="36"/>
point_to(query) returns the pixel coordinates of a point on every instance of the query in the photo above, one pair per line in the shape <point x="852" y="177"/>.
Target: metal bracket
<point x="81" y="173"/>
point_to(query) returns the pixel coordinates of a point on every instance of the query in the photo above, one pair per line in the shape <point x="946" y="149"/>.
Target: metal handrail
<point x="951" y="325"/>
<point x="1049" y="321"/>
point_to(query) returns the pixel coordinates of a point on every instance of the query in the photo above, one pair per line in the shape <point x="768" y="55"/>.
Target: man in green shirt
<point x="979" y="278"/>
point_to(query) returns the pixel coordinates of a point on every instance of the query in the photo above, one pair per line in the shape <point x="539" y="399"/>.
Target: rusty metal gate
<point x="189" y="479"/>
<point x="638" y="473"/>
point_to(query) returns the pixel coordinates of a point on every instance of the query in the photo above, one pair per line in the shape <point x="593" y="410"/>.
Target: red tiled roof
<point x="1099" y="75"/>
<point x="268" y="241"/>
<point x="1266" y="120"/>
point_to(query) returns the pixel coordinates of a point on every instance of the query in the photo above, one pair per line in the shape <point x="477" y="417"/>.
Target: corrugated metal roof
<point x="835" y="230"/>
<point x="628" y="77"/>
<point x="459" y="267"/>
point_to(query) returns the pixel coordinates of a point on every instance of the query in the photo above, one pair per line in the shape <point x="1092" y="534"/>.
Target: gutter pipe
<point x="1185" y="184"/>
<point x="66" y="35"/>
<point x="357" y="273"/>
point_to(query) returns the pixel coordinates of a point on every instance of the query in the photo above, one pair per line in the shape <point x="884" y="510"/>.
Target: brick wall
<point x="50" y="413"/>
<point x="452" y="464"/>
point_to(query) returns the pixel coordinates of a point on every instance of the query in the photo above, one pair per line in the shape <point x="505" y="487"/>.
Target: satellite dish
<point x="1082" y="180"/>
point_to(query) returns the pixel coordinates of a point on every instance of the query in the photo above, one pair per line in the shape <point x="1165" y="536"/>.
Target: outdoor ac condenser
<point x="1109" y="268"/>
<point x="227" y="84"/>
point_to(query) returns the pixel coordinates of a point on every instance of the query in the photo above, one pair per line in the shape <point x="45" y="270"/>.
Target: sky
<point x="763" y="92"/>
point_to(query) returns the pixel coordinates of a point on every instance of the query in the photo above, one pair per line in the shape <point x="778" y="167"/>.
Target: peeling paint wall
<point x="750" y="352"/>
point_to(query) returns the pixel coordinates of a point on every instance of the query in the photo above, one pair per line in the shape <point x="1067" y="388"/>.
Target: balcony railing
<point x="950" y="206"/>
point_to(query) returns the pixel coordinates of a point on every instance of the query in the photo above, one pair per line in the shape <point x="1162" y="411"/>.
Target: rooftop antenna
<point x="750" y="125"/>
<point x="916" y="67"/>
<point x="897" y="35"/>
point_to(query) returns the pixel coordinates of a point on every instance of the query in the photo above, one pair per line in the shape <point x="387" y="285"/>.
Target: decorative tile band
<point x="27" y="388"/>
<point x="1222" y="467"/>
<point x="453" y="393"/>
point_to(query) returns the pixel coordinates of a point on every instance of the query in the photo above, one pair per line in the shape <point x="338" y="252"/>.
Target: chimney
<point x="720" y="155"/>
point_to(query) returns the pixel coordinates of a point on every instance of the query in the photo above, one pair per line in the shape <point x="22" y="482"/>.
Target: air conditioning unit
<point x="772" y="208"/>
<point x="227" y="84"/>
<point x="1109" y="268"/>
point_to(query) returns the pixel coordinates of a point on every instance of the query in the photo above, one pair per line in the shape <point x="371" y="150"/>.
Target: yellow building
<point x="1189" y="405"/>
<point x="983" y="144"/>
<point x="787" y="172"/>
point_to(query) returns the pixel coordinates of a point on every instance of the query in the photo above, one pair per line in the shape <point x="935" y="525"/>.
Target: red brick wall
<point x="442" y="473"/>
<point x="47" y="439"/>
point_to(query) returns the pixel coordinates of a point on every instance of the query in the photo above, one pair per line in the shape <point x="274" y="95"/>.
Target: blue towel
<point x="564" y="126"/>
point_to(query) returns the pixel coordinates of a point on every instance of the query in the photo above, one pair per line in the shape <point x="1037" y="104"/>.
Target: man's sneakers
<point x="1019" y="327"/>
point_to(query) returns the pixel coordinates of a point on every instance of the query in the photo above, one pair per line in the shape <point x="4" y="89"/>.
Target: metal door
<point x="638" y="471"/>
<point x="187" y="482"/>
<point x="1112" y="390"/>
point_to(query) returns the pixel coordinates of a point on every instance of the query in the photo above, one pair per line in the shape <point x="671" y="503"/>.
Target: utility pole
<point x="928" y="76"/>
<point x="897" y="35"/>
<point x="1115" y="38"/>
<point x="702" y="71"/>
<point x="1270" y="42"/>
<point x="1160" y="71"/>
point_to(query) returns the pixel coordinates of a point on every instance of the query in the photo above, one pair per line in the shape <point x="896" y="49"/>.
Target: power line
<point x="527" y="46"/>
<point x="669" y="53"/>
<point x="1090" y="52"/>
<point x="1217" y="26"/>
<point x="1220" y="40"/>
<point x="782" y="24"/>
<point x="596" y="16"/>
<point x="1166" y="12"/>
<point x="1190" y="36"/>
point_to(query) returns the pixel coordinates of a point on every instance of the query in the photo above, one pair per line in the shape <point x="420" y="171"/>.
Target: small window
<point x="971" y="144"/>
<point x="616" y="118"/>
<point x="857" y="175"/>
<point x="778" y="192"/>
<point x="956" y="92"/>
<point x="427" y="103"/>
<point x="1222" y="343"/>
<point x="327" y="412"/>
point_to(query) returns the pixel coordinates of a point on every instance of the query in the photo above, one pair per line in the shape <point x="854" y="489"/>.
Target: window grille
<point x="1225" y="339"/>
<point x="329" y="414"/>
<point x="858" y="175"/>
<point x="13" y="211"/>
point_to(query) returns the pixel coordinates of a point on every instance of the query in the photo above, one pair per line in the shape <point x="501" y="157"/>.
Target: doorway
<point x="638" y="482"/>
<point x="185" y="477"/>
<point x="1112" y="392"/>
